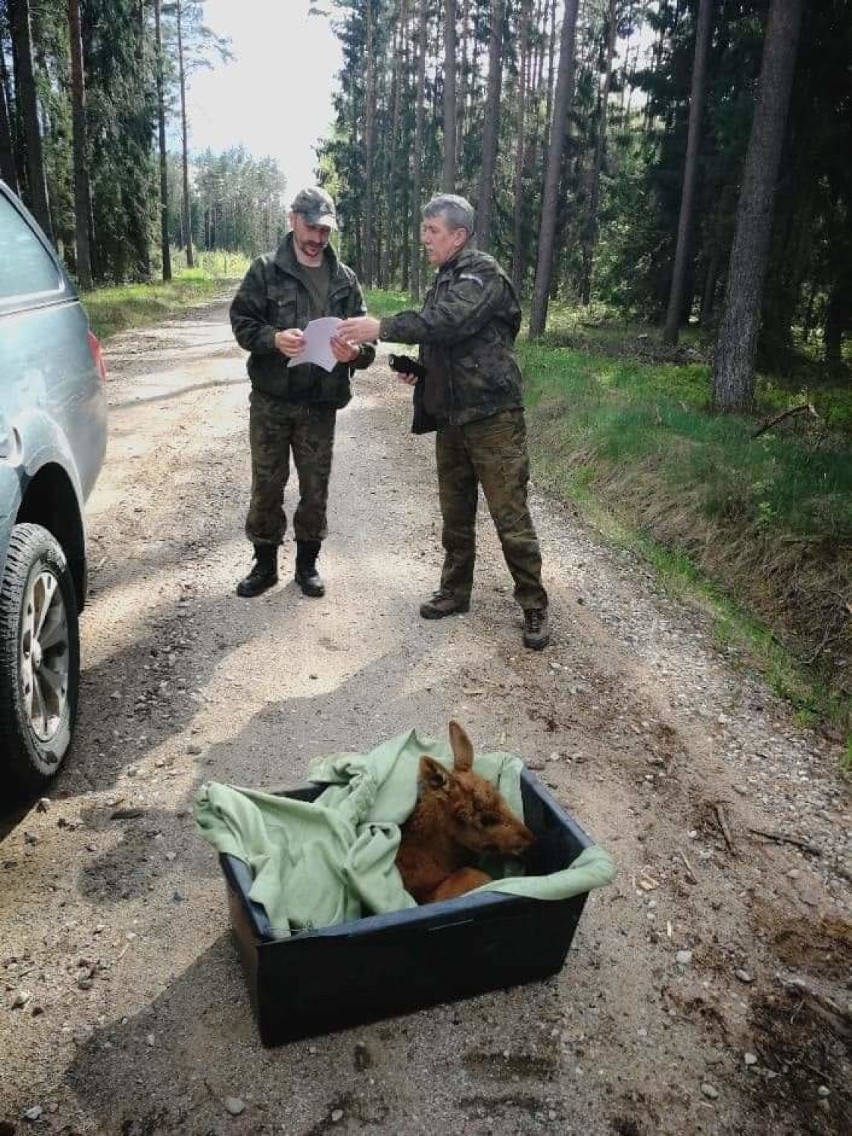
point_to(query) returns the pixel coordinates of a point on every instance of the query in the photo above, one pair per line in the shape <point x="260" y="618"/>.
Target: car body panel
<point x="52" y="400"/>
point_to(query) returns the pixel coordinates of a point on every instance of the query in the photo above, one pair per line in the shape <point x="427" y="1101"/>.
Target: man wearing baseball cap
<point x="293" y="409"/>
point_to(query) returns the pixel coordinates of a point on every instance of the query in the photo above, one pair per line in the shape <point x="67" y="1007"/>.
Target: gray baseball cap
<point x="316" y="206"/>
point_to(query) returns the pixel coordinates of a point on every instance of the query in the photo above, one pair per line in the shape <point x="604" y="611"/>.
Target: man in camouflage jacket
<point x="293" y="408"/>
<point x="466" y="331"/>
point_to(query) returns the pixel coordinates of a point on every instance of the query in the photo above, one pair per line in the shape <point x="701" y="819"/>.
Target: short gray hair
<point x="457" y="212"/>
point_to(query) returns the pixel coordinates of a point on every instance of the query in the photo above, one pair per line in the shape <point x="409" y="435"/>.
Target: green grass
<point x="124" y="306"/>
<point x="617" y="411"/>
<point x="384" y="303"/>
<point x="767" y="521"/>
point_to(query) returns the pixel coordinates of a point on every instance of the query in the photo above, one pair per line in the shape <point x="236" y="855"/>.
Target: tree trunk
<point x="733" y="372"/>
<point x="463" y="80"/>
<point x="165" y="247"/>
<point x="81" y="165"/>
<point x="186" y="211"/>
<point x="417" y="155"/>
<point x="590" y="228"/>
<point x="490" y="126"/>
<point x="838" y="317"/>
<point x="561" y="107"/>
<point x="393" y="146"/>
<point x="449" y="181"/>
<point x="518" y="258"/>
<point x="27" y="98"/>
<point x="703" y="36"/>
<point x="369" y="146"/>
<point x="8" y="172"/>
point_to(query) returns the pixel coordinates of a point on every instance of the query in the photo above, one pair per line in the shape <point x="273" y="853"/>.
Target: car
<point x="53" y="427"/>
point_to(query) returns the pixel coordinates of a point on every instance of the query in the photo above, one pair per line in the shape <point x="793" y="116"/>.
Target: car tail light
<point x="97" y="356"/>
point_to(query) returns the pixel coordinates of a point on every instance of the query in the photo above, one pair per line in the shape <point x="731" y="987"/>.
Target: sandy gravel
<point x="706" y="991"/>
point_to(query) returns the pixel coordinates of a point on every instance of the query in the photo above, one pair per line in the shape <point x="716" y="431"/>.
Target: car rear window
<point x="26" y="269"/>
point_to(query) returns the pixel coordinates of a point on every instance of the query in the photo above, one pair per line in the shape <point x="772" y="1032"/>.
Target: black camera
<point x="405" y="365"/>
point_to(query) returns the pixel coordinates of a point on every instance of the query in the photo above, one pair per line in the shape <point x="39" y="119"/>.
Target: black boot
<point x="264" y="572"/>
<point x="307" y="577"/>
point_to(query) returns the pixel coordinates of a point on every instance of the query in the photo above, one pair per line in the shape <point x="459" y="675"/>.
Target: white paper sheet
<point x="318" y="335"/>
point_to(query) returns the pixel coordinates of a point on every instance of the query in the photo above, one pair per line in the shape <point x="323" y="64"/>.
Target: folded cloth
<point x="331" y="860"/>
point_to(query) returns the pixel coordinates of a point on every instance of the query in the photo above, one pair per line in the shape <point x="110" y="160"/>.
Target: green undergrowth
<point x="381" y="302"/>
<point x="120" y="307"/>
<point x="758" y="528"/>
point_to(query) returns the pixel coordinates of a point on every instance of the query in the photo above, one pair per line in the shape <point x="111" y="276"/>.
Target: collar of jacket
<point x="285" y="258"/>
<point x="462" y="259"/>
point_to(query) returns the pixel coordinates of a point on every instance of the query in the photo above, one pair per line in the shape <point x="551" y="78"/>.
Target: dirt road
<point x="707" y="990"/>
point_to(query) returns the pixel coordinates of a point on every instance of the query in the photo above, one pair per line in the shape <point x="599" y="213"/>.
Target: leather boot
<point x="307" y="577"/>
<point x="536" y="628"/>
<point x="264" y="572"/>
<point x="443" y="604"/>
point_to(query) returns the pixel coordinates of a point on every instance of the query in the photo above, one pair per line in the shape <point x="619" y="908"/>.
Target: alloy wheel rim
<point x="44" y="658"/>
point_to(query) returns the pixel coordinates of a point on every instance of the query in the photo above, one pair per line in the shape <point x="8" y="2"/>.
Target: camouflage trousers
<point x="278" y="429"/>
<point x="491" y="452"/>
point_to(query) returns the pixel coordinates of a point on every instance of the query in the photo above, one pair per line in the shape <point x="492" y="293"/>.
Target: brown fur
<point x="458" y="815"/>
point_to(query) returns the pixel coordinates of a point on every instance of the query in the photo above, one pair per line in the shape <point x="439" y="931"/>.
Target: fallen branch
<point x="689" y="870"/>
<point x="832" y="631"/>
<point x="780" y="838"/>
<point x="805" y="408"/>
<point x="723" y="824"/>
<point x="828" y="1010"/>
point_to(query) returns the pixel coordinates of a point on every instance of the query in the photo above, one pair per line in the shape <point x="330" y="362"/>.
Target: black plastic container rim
<point x="238" y="876"/>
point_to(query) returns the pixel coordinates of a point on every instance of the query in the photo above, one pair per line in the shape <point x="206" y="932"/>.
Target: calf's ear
<point x="462" y="748"/>
<point x="432" y="774"/>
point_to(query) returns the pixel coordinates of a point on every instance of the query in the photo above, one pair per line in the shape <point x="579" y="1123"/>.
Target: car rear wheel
<point x="39" y="658"/>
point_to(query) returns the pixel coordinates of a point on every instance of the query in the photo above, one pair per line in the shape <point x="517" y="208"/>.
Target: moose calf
<point x="458" y="816"/>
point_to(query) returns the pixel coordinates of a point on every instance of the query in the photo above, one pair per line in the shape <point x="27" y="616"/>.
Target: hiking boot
<point x="264" y="572"/>
<point x="442" y="604"/>
<point x="536" y="628"/>
<point x="307" y="577"/>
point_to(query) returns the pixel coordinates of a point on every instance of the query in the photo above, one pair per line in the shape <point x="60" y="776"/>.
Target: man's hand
<point x="359" y="329"/>
<point x="343" y="349"/>
<point x="290" y="342"/>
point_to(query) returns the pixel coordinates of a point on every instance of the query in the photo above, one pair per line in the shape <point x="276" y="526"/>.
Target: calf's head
<point x="468" y="808"/>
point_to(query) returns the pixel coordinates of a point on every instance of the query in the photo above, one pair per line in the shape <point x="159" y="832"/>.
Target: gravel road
<point x="706" y="991"/>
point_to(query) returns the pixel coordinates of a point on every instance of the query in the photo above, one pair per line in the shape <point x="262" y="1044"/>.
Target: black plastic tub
<point x="318" y="981"/>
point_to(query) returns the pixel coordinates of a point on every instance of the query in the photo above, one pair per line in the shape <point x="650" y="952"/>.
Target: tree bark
<point x="8" y="172"/>
<point x="369" y="146"/>
<point x="36" y="195"/>
<point x="449" y="181"/>
<point x="417" y="155"/>
<point x="185" y="205"/>
<point x="733" y="371"/>
<point x="838" y="317"/>
<point x="80" y="150"/>
<point x="561" y="107"/>
<point x="703" y="36"/>
<point x="518" y="258"/>
<point x="392" y="190"/>
<point x="165" y="247"/>
<point x="491" y="126"/>
<point x="590" y="229"/>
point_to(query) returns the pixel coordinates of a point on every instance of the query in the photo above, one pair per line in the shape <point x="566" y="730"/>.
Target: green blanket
<point x="332" y="860"/>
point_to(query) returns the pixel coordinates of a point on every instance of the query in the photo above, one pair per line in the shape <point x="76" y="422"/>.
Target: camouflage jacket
<point x="271" y="298"/>
<point x="466" y="330"/>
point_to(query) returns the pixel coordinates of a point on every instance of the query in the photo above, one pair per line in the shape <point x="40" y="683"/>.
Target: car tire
<point x="39" y="659"/>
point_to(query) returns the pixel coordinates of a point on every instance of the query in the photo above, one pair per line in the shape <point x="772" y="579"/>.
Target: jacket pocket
<point x="281" y="312"/>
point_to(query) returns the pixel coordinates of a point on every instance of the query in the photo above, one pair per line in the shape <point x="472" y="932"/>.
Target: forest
<point x="684" y="162"/>
<point x="668" y="182"/>
<point x="94" y="137"/>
